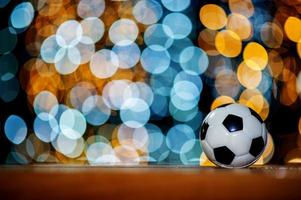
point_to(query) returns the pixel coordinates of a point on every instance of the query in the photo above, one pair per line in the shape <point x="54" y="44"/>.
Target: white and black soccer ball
<point x="233" y="136"/>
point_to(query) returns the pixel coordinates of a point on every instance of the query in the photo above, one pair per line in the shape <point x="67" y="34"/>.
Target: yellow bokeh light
<point x="275" y="64"/>
<point x="125" y="10"/>
<point x="228" y="43"/>
<point x="213" y="16"/>
<point x="267" y="153"/>
<point x="206" y="41"/>
<point x="127" y="155"/>
<point x="61" y="158"/>
<point x="45" y="69"/>
<point x="47" y="30"/>
<point x="287" y="74"/>
<point x="293" y="156"/>
<point x="240" y="25"/>
<point x="255" y="100"/>
<point x="243" y="7"/>
<point x="65" y="14"/>
<point x="292" y="28"/>
<point x="298" y="83"/>
<point x="288" y="94"/>
<point x="271" y="34"/>
<point x="221" y="100"/>
<point x="255" y="56"/>
<point x="205" y="162"/>
<point x="125" y="74"/>
<point x="50" y="8"/>
<point x="41" y="149"/>
<point x="294" y="160"/>
<point x="248" y="77"/>
<point x="226" y="83"/>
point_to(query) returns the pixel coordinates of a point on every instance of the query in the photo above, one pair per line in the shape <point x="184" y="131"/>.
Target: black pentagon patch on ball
<point x="204" y="129"/>
<point x="257" y="146"/>
<point x="223" y="155"/>
<point x="255" y="114"/>
<point x="233" y="123"/>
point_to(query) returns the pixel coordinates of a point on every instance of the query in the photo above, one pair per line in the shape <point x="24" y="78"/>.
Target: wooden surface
<point x="74" y="182"/>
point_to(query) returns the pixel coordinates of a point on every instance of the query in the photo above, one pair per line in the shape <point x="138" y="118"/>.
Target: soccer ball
<point x="233" y="136"/>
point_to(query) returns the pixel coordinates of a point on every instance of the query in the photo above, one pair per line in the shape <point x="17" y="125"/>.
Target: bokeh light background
<point x="95" y="82"/>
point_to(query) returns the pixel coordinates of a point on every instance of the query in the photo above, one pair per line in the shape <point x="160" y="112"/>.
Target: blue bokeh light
<point x="177" y="136"/>
<point x="9" y="89"/>
<point x="9" y="66"/>
<point x="196" y="80"/>
<point x="128" y="55"/>
<point x="155" y="59"/>
<point x="184" y="95"/>
<point x="194" y="60"/>
<point x="15" y="129"/>
<point x="158" y="34"/>
<point x="176" y="5"/>
<point x="95" y="110"/>
<point x="147" y="11"/>
<point x="135" y="113"/>
<point x="46" y="128"/>
<point x="180" y="25"/>
<point x="22" y="15"/>
<point x="177" y="47"/>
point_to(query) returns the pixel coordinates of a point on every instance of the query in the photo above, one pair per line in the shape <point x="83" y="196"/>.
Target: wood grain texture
<point x="73" y="182"/>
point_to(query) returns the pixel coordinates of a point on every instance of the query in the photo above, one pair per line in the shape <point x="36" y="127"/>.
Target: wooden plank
<point x="73" y="182"/>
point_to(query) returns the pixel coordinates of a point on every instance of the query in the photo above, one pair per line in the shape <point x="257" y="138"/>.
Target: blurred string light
<point x="101" y="76"/>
